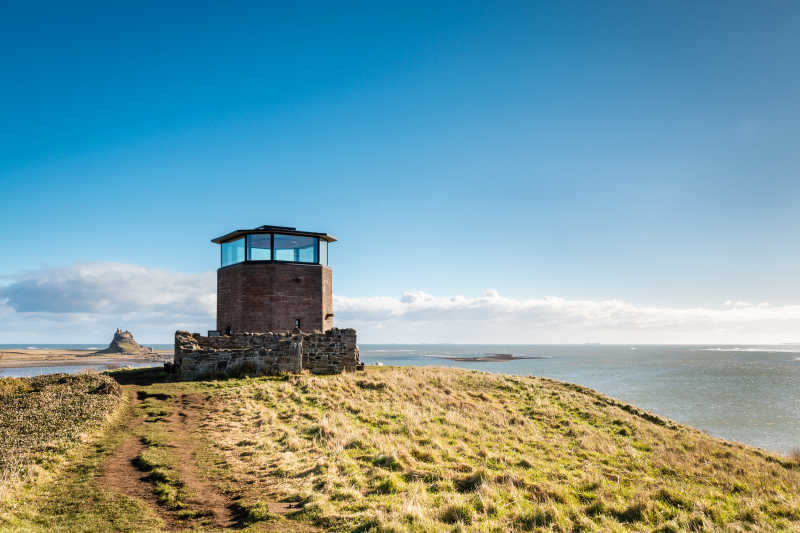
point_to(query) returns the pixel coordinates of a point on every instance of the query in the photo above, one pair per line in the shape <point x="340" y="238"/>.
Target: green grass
<point x="420" y="449"/>
<point x="429" y="449"/>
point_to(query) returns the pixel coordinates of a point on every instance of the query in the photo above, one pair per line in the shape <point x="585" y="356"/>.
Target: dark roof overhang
<point x="284" y="230"/>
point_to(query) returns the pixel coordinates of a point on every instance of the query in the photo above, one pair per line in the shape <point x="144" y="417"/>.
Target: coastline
<point x="26" y="358"/>
<point x="755" y="415"/>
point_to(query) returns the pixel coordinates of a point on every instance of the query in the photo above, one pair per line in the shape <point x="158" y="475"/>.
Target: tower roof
<point x="283" y="230"/>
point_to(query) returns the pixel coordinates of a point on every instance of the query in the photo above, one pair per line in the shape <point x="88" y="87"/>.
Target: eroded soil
<point x="204" y="504"/>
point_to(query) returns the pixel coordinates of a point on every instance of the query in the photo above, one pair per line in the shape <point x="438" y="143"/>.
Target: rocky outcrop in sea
<point x="124" y="343"/>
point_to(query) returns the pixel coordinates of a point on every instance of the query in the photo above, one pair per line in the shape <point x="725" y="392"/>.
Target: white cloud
<point x="492" y="318"/>
<point x="86" y="302"/>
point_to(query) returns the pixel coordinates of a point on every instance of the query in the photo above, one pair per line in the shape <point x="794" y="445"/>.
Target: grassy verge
<point x="64" y="495"/>
<point x="43" y="417"/>
<point x="412" y="449"/>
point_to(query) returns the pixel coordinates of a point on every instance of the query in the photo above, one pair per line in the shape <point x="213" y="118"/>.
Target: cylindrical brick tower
<point x="273" y="278"/>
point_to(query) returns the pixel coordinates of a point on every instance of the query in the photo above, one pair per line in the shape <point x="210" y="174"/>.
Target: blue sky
<point x="643" y="153"/>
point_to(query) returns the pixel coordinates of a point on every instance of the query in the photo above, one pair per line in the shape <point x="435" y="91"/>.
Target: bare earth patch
<point x="204" y="505"/>
<point x="204" y="494"/>
<point x="120" y="474"/>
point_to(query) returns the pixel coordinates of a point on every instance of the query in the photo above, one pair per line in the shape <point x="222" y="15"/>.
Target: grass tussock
<point x="42" y="416"/>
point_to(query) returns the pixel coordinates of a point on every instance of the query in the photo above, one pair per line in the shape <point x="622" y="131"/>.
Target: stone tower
<point x="273" y="278"/>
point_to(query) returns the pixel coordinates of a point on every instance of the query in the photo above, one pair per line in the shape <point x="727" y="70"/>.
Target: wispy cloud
<point x="495" y="318"/>
<point x="85" y="302"/>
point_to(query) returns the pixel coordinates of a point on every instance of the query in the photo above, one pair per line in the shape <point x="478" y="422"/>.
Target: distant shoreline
<point x="26" y="358"/>
<point x="488" y="358"/>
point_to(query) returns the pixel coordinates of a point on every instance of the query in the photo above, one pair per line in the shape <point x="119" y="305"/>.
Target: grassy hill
<point x="44" y="416"/>
<point x="400" y="449"/>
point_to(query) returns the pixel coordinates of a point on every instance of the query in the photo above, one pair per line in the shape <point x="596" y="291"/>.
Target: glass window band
<point x="274" y="247"/>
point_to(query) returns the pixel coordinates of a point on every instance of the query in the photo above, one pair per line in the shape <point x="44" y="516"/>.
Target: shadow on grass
<point x="142" y="376"/>
<point x="151" y="375"/>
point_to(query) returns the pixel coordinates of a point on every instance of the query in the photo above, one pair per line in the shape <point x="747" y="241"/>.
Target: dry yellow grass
<point x="430" y="449"/>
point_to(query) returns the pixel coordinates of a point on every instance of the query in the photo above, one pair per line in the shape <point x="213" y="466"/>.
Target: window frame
<point x="247" y="238"/>
<point x="315" y="250"/>
<point x="222" y="254"/>
<point x="247" y="248"/>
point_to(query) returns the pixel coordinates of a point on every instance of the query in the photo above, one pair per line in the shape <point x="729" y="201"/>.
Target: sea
<point x="749" y="394"/>
<point x="745" y="393"/>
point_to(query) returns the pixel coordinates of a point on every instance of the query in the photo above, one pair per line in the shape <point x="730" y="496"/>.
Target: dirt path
<point x="120" y="474"/>
<point x="204" y="494"/>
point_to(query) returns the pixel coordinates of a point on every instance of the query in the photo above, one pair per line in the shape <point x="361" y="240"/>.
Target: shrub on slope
<point x="43" y="415"/>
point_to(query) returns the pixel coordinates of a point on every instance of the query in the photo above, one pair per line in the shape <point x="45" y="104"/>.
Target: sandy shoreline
<point x="19" y="358"/>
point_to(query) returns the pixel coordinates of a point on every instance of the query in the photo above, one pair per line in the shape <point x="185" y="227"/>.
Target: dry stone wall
<point x="332" y="352"/>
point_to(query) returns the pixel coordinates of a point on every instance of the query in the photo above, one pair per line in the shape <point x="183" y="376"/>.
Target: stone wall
<point x="265" y="296"/>
<point x="331" y="352"/>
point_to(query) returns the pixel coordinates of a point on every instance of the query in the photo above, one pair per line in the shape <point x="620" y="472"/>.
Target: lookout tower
<point x="273" y="278"/>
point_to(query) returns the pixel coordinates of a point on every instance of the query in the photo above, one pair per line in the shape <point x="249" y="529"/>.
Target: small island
<point x="123" y="343"/>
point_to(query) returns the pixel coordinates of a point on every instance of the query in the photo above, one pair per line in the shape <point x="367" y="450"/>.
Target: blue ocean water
<point x="749" y="394"/>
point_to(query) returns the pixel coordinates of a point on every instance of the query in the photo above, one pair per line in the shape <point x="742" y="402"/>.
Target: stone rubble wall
<point x="332" y="352"/>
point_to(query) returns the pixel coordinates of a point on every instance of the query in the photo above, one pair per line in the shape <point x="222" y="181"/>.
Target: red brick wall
<point x="327" y="300"/>
<point x="261" y="297"/>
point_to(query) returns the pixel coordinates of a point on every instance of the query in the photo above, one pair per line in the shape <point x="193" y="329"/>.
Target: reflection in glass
<point x="259" y="247"/>
<point x="296" y="248"/>
<point x="232" y="252"/>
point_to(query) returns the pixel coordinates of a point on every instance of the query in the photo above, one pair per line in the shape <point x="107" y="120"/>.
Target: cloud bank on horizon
<point x="85" y="302"/>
